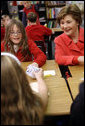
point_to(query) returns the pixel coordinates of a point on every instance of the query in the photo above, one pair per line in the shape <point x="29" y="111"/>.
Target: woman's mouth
<point x="67" y="30"/>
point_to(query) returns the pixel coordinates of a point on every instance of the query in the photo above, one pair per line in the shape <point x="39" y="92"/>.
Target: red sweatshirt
<point x="2" y="33"/>
<point x="37" y="32"/>
<point x="66" y="51"/>
<point x="36" y="54"/>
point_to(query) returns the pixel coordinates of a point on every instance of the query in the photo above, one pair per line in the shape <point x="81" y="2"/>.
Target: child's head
<point x="19" y="106"/>
<point x="15" y="32"/>
<point x="32" y="17"/>
<point x="27" y="4"/>
<point x="6" y="19"/>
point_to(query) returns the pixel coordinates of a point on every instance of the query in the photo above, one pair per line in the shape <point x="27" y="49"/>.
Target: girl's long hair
<point x="23" y="43"/>
<point x="19" y="105"/>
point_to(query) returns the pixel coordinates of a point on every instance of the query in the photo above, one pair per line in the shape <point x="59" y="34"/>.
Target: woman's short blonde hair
<point x="71" y="9"/>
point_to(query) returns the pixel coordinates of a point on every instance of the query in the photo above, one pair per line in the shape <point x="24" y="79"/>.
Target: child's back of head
<point x="32" y="17"/>
<point x="20" y="106"/>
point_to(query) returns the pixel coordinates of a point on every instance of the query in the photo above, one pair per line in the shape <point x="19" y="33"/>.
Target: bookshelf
<point x="52" y="10"/>
<point x="13" y="9"/>
<point x="42" y="12"/>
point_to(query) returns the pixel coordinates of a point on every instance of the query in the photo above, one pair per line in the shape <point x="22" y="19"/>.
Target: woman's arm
<point x="61" y="57"/>
<point x="67" y="59"/>
<point x="65" y="53"/>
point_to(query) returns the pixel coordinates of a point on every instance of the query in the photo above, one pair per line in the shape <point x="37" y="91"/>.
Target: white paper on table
<point x="49" y="73"/>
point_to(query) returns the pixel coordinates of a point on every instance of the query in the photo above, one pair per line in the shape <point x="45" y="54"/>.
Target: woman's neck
<point x="74" y="37"/>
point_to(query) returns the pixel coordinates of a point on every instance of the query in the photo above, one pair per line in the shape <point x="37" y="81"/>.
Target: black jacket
<point x="77" y="108"/>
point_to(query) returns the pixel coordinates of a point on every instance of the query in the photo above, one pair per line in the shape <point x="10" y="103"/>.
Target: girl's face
<point x="15" y="35"/>
<point x="69" y="25"/>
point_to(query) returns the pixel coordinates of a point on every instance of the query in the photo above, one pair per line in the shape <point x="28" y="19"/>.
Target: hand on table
<point x="81" y="59"/>
<point x="38" y="74"/>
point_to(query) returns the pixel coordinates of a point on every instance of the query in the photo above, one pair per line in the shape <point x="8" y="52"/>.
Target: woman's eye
<point x="68" y="22"/>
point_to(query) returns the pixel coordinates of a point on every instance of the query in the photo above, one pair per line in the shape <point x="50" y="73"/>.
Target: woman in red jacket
<point x="16" y="42"/>
<point x="69" y="46"/>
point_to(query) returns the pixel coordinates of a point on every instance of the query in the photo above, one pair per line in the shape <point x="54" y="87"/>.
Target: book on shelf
<point x="35" y="2"/>
<point x="52" y="24"/>
<point x="49" y="3"/>
<point x="42" y="19"/>
<point x="52" y="12"/>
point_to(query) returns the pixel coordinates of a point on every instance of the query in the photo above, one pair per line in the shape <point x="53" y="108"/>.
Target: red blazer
<point x="36" y="54"/>
<point x="66" y="51"/>
<point x="37" y="32"/>
<point x="32" y="9"/>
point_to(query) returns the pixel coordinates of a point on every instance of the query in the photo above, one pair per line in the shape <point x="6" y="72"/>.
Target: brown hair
<point x="72" y="9"/>
<point x="32" y="17"/>
<point x="4" y="16"/>
<point x="24" y="40"/>
<point x="19" y="105"/>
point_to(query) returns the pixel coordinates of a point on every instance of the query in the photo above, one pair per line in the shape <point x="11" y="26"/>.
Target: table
<point x="59" y="100"/>
<point x="77" y="77"/>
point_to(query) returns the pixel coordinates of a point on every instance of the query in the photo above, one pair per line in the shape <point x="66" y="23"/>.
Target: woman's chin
<point x="68" y="33"/>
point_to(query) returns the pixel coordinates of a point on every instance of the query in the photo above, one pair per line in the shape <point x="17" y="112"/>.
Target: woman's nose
<point x="65" y="25"/>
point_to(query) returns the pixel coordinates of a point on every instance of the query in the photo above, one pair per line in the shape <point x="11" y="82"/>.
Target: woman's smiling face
<point x="15" y="35"/>
<point x="69" y="25"/>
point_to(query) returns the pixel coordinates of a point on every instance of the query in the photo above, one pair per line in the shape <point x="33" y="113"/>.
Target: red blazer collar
<point x="68" y="40"/>
<point x="81" y="35"/>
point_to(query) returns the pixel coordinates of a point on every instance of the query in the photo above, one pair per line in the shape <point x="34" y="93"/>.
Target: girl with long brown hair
<point x="17" y="43"/>
<point x="20" y="105"/>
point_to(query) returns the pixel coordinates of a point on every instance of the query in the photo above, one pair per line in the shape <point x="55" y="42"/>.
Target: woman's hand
<point x="81" y="59"/>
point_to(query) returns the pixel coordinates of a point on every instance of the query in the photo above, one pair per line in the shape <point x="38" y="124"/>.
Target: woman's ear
<point x="77" y="23"/>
